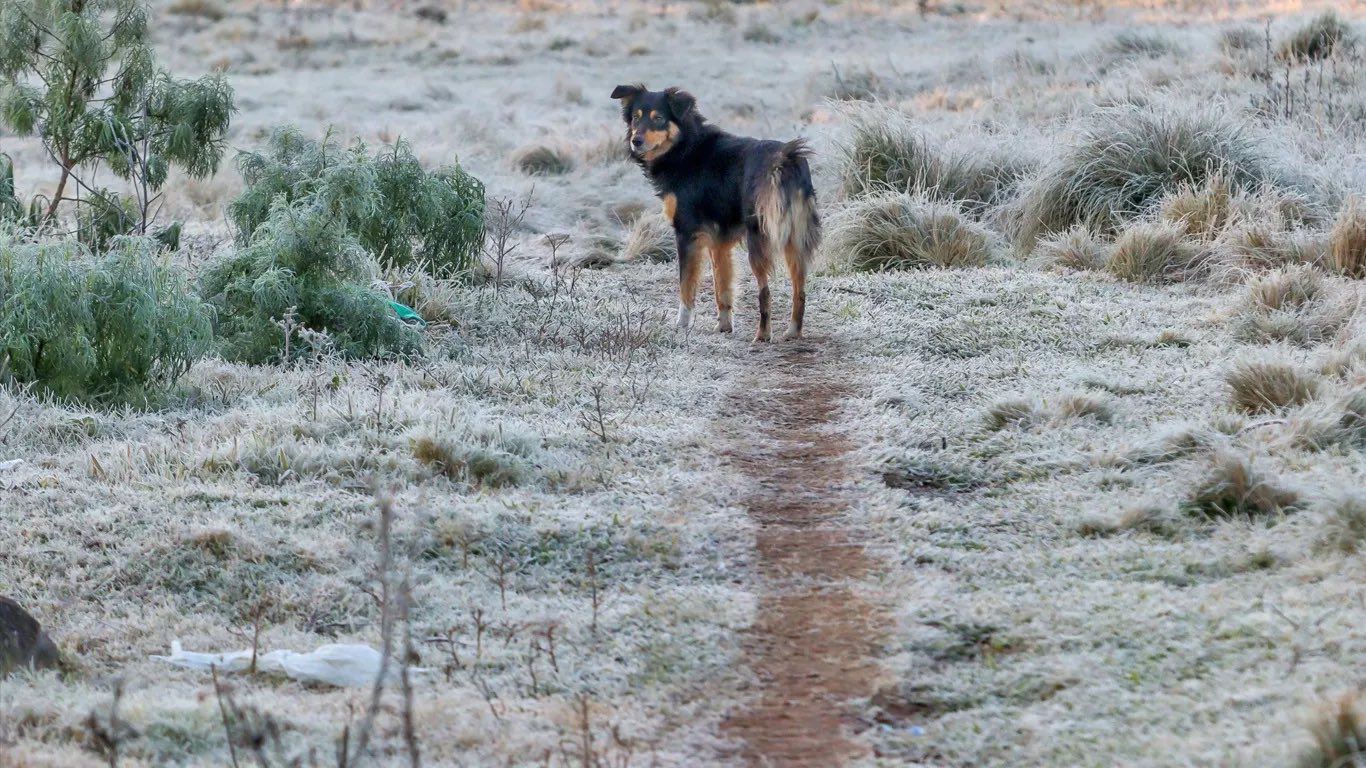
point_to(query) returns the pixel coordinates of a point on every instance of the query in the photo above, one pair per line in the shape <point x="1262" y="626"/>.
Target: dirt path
<point x="813" y="642"/>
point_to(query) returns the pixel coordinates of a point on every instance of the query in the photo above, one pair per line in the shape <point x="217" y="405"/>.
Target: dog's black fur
<point x="718" y="188"/>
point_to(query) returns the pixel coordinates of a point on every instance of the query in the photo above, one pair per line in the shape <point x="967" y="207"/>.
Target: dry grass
<point x="1292" y="304"/>
<point x="1342" y="527"/>
<point x="898" y="230"/>
<point x="1347" y="242"/>
<point x="1231" y="486"/>
<point x="1339" y="421"/>
<point x="1339" y="732"/>
<point x="1318" y="39"/>
<point x="1155" y="253"/>
<point x="1124" y="159"/>
<point x="1262" y="386"/>
<point x="651" y="239"/>
<point x="1078" y="248"/>
<point x="543" y="160"/>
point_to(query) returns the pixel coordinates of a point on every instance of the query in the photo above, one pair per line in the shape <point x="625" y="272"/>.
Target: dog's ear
<point x="680" y="102"/>
<point x="627" y="91"/>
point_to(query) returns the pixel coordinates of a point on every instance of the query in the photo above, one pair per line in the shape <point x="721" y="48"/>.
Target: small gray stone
<point x="23" y="643"/>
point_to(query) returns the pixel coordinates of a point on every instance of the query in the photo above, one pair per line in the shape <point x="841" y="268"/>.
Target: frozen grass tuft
<point x="1232" y="487"/>
<point x="1204" y="211"/>
<point x="1132" y="44"/>
<point x="1262" y="386"/>
<point x="1240" y="40"/>
<point x="651" y="239"/>
<point x="543" y="160"/>
<point x="1027" y="412"/>
<point x="1290" y="304"/>
<point x="1337" y="422"/>
<point x="1339" y="736"/>
<point x="1145" y="518"/>
<point x="1078" y="248"/>
<point x="897" y="230"/>
<point x="1347" y="242"/>
<point x="1342" y="525"/>
<point x="1155" y="253"/>
<point x="1125" y="158"/>
<point x="886" y="153"/>
<point x="1318" y="39"/>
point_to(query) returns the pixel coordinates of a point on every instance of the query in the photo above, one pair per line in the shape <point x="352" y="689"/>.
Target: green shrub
<point x="394" y="209"/>
<point x="303" y="285"/>
<point x="83" y="78"/>
<point x="1126" y="158"/>
<point x="896" y="230"/>
<point x="118" y="326"/>
<point x="1318" y="39"/>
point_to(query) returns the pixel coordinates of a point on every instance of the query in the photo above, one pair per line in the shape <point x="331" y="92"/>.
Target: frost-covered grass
<point x="1097" y="535"/>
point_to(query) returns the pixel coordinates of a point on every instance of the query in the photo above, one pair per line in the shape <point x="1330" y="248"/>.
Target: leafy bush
<point x="117" y="326"/>
<point x="303" y="284"/>
<point x="1127" y="157"/>
<point x="1318" y="39"/>
<point x="395" y="210"/>
<point x="82" y="77"/>
<point x="885" y="153"/>
<point x="896" y="230"/>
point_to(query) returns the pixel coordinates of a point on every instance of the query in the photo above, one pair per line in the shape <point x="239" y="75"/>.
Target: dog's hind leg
<point x="762" y="264"/>
<point x="796" y="269"/>
<point x="723" y="282"/>
<point x="692" y="249"/>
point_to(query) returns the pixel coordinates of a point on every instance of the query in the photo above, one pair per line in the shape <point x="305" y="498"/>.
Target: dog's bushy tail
<point x="785" y="203"/>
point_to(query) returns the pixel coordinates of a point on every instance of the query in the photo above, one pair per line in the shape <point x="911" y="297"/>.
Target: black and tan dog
<point x="718" y="188"/>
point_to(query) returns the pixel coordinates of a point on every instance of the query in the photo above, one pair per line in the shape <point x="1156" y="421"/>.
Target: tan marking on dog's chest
<point x="670" y="206"/>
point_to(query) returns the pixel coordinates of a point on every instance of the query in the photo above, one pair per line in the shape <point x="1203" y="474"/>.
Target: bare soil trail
<point x="814" y="641"/>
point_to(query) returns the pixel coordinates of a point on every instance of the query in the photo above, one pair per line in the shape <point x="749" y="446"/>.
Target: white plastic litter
<point x="339" y="664"/>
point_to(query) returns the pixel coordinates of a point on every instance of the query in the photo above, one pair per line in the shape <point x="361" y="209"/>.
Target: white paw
<point x="723" y="322"/>
<point x="684" y="318"/>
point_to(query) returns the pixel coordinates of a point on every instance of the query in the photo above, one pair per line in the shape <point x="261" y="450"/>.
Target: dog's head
<point x="657" y="121"/>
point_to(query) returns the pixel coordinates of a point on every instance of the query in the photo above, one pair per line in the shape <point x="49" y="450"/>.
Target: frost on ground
<point x="1108" y="417"/>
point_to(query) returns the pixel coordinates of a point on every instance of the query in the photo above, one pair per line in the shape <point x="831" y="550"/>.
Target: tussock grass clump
<point x="1155" y="253"/>
<point x="121" y="326"/>
<point x="1233" y="487"/>
<point x="897" y="230"/>
<point x="651" y="239"/>
<point x="1027" y="412"/>
<point x="1125" y="158"/>
<point x="482" y="456"/>
<point x="1161" y="449"/>
<point x="1075" y="249"/>
<point x="1291" y="305"/>
<point x="204" y="9"/>
<point x="1262" y="386"/>
<point x="1131" y="44"/>
<point x="1339" y="733"/>
<point x="1347" y="242"/>
<point x="543" y="160"/>
<point x="1340" y="421"/>
<point x="1318" y="39"/>
<point x="1078" y="248"/>
<point x="1203" y="211"/>
<point x="1254" y="246"/>
<point x="886" y="153"/>
<point x="1146" y="518"/>
<point x="1240" y="40"/>
<point x="859" y="83"/>
<point x="1342" y="527"/>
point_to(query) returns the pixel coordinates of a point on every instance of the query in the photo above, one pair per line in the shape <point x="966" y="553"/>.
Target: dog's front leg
<point x="692" y="250"/>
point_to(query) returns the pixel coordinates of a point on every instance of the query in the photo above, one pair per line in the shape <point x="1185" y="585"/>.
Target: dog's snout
<point x="637" y="141"/>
